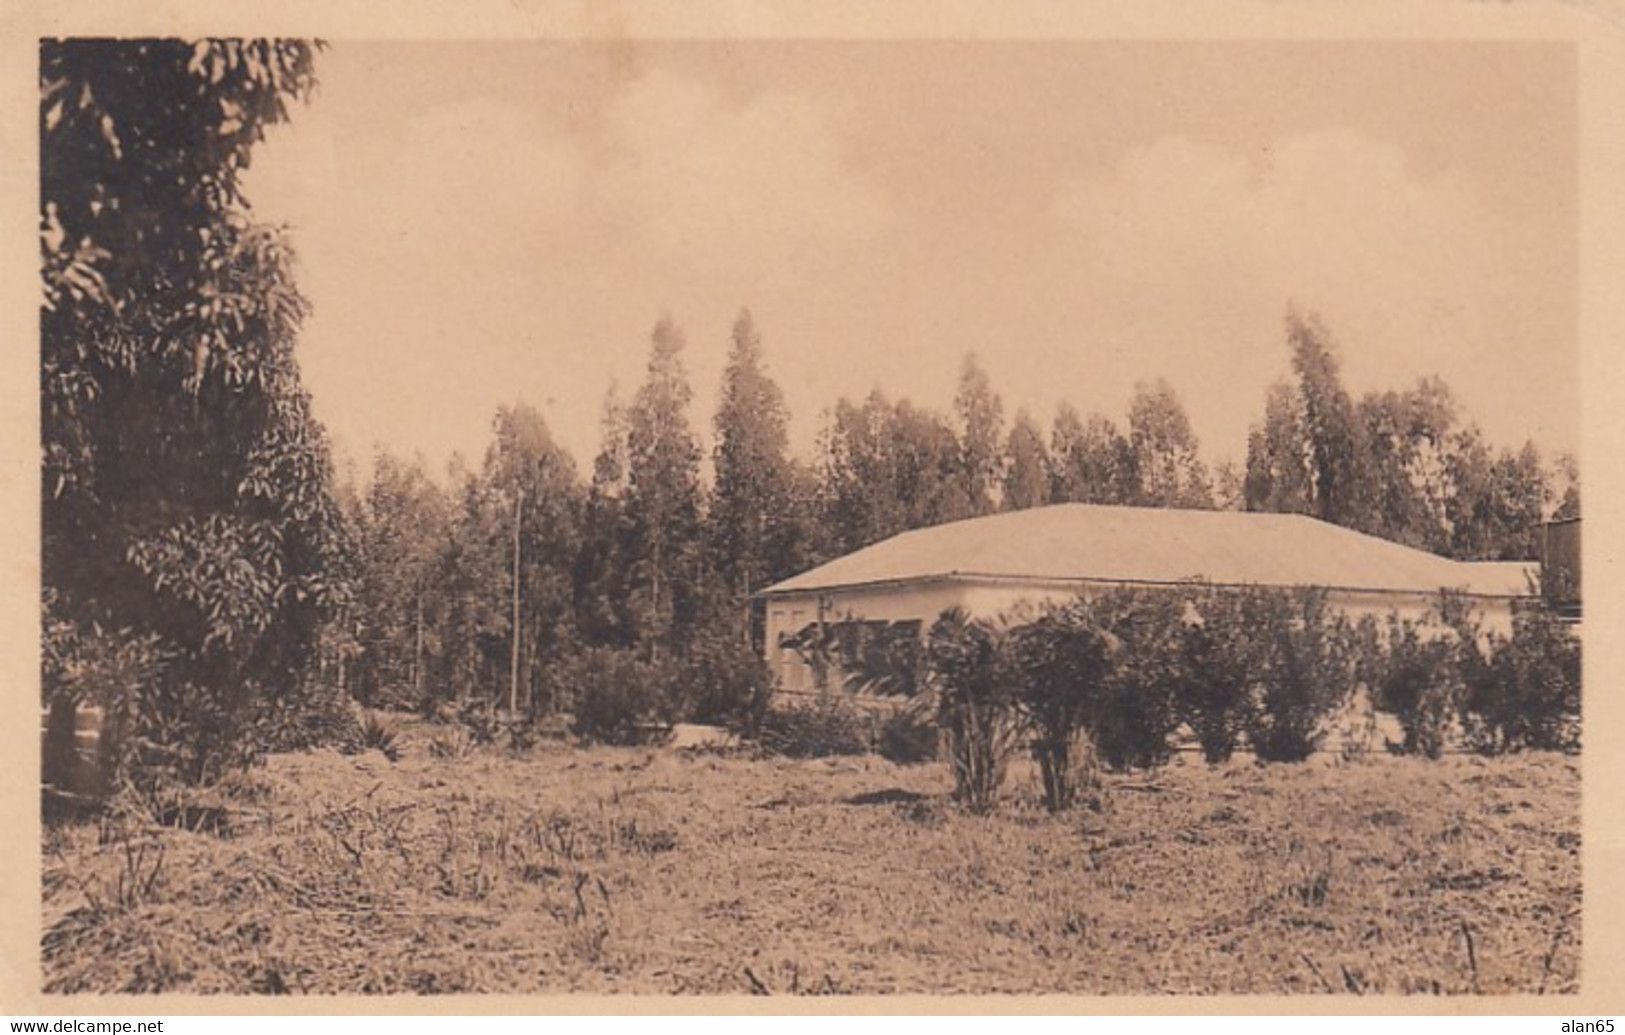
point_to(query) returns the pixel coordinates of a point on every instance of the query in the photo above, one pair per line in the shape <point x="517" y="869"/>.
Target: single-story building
<point x="991" y="565"/>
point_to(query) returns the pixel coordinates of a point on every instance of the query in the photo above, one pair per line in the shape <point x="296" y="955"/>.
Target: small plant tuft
<point x="452" y="744"/>
<point x="379" y="735"/>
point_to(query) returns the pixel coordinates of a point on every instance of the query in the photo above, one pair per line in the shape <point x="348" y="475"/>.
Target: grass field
<point x="666" y="871"/>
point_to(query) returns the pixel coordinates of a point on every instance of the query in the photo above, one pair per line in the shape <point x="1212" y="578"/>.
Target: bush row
<point x="1445" y="678"/>
<point x="1118" y="673"/>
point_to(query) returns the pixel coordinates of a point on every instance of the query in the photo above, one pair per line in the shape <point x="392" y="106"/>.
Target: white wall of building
<point x="925" y="601"/>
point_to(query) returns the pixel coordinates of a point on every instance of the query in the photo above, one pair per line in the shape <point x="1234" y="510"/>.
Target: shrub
<point x="819" y="728"/>
<point x="479" y="718"/>
<point x="1306" y="671"/>
<point x="1416" y="678"/>
<point x="1060" y="663"/>
<point x="725" y="683"/>
<point x="1523" y="691"/>
<point x="522" y="736"/>
<point x="619" y="698"/>
<point x="312" y="716"/>
<point x="115" y="671"/>
<point x="908" y="736"/>
<point x="1218" y="658"/>
<point x="974" y="705"/>
<point x="1136" y="713"/>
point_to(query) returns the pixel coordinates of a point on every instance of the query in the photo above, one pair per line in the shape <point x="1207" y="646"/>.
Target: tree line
<point x="643" y="554"/>
<point x="208" y="581"/>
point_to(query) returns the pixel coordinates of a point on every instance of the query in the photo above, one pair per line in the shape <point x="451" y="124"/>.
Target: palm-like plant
<point x="970" y="677"/>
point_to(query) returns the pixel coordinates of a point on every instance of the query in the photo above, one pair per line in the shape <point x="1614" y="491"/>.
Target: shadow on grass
<point x="889" y="796"/>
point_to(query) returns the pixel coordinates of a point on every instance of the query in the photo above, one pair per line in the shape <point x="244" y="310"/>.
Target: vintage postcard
<point x="579" y="507"/>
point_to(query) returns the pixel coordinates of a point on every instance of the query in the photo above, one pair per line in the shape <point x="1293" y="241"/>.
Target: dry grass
<point x="658" y="871"/>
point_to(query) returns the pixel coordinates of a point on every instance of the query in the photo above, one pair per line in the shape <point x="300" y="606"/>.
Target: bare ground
<point x="663" y="871"/>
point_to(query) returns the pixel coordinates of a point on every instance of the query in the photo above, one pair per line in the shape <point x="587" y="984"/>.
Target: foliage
<point x="531" y="481"/>
<point x="663" y="497"/>
<point x="886" y="468"/>
<point x="92" y="667"/>
<point x="1418" y="680"/>
<point x="724" y="682"/>
<point x="1410" y="439"/>
<point x="1027" y="472"/>
<point x="473" y="617"/>
<point x="401" y="527"/>
<point x="908" y="736"/>
<point x="1168" y="468"/>
<point x="452" y="744"/>
<point x="981" y="434"/>
<point x="1060" y="663"/>
<point x="1306" y="671"/>
<point x="1093" y="461"/>
<point x="1136" y="712"/>
<point x="619" y="698"/>
<point x="1277" y="478"/>
<point x="480" y="719"/>
<point x="603" y="571"/>
<point x="1218" y="662"/>
<point x="1523" y="690"/>
<point x="1335" y="443"/>
<point x="966" y="658"/>
<point x="186" y="486"/>
<point x="315" y="716"/>
<point x="756" y="528"/>
<point x="1398" y="464"/>
<point x="819" y="728"/>
<point x="377" y="734"/>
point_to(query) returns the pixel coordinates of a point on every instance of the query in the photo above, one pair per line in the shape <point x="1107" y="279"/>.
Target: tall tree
<point x="1093" y="462"/>
<point x="1278" y="463"/>
<point x="981" y="434"/>
<point x="1026" y="476"/>
<point x="1229" y="487"/>
<point x="888" y="468"/>
<point x="1339" y="484"/>
<point x="1497" y="502"/>
<point x="536" y="480"/>
<point x="752" y="527"/>
<point x="929" y="466"/>
<point x="473" y="593"/>
<point x="1169" y="469"/>
<point x="604" y="610"/>
<point x="858" y="472"/>
<point x="402" y="526"/>
<point x="1408" y="436"/>
<point x="663" y="502"/>
<point x="187" y="488"/>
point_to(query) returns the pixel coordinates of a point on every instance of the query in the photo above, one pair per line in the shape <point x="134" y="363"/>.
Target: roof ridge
<point x="1114" y="542"/>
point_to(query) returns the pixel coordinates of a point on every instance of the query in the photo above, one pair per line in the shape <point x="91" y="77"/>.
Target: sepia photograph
<point x="774" y="517"/>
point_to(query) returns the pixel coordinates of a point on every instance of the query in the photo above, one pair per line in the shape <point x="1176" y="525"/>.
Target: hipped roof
<point x="1086" y="542"/>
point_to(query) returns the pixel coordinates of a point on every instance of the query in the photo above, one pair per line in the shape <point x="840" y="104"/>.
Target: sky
<point x="480" y="223"/>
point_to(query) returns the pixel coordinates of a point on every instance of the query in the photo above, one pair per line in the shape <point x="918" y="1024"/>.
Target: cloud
<point x="477" y="249"/>
<point x="1191" y="254"/>
<point x="693" y="177"/>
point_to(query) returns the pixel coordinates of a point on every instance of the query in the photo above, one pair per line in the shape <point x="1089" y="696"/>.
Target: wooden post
<point x="513" y="682"/>
<point x="417" y="654"/>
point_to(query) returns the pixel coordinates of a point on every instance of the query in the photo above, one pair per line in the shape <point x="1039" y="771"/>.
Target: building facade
<point x="830" y="617"/>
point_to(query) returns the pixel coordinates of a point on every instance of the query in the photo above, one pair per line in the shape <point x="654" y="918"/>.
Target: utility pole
<point x="513" y="682"/>
<point x="417" y="652"/>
